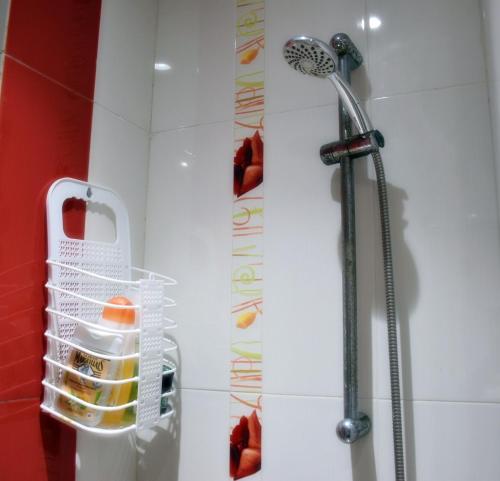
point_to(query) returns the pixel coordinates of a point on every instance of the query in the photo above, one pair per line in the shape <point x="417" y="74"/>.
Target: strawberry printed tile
<point x="245" y="447"/>
<point x="249" y="165"/>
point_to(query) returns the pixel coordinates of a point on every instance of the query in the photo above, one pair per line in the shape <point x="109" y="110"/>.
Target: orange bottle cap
<point x="122" y="316"/>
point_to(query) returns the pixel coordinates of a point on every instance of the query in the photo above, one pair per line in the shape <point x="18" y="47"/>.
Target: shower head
<point x="311" y="56"/>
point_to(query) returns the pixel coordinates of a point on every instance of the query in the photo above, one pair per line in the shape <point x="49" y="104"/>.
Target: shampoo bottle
<point x="100" y="367"/>
<point x="122" y="393"/>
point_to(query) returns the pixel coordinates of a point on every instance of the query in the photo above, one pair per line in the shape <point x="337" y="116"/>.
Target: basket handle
<point x="67" y="188"/>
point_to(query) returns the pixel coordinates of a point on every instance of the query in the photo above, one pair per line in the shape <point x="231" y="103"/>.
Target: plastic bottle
<point x="122" y="393"/>
<point x="100" y="367"/>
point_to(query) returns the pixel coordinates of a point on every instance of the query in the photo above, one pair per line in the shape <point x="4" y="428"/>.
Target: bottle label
<point x="93" y="392"/>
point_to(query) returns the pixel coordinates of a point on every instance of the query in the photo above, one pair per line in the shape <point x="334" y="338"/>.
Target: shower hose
<point x="390" y="302"/>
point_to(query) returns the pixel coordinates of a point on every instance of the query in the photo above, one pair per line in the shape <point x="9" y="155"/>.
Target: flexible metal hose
<point x="392" y="330"/>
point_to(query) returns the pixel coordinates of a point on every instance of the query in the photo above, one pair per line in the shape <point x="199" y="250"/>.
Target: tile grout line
<point x="69" y="89"/>
<point x="23" y="399"/>
<point x="121" y="117"/>
<point x="190" y="126"/>
<point x="150" y="133"/>
<point x="429" y="90"/>
<point x="47" y="77"/>
<point x="326" y="105"/>
<point x="332" y="397"/>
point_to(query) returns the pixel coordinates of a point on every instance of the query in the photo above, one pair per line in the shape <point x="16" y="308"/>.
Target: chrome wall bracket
<point x="353" y="147"/>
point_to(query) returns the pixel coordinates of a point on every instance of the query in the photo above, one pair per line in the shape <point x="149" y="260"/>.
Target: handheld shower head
<point x="311" y="56"/>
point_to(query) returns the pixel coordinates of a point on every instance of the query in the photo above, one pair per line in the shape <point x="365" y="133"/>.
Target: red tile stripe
<point x="45" y="125"/>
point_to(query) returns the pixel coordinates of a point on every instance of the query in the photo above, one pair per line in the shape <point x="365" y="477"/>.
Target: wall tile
<point x="491" y="14"/>
<point x="52" y="125"/>
<point x="48" y="444"/>
<point x="423" y="45"/>
<point x="68" y="30"/>
<point x="193" y="445"/>
<point x="110" y="458"/>
<point x="124" y="79"/>
<point x="189" y="238"/>
<point x="19" y="425"/>
<point x="494" y="98"/>
<point x="491" y="34"/>
<point x="446" y="246"/>
<point x="303" y="276"/>
<point x="119" y="160"/>
<point x="299" y="441"/>
<point x="196" y="40"/>
<point x="286" y="89"/>
<point x="441" y="441"/>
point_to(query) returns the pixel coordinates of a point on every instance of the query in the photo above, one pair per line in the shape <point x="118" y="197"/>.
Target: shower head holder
<point x="353" y="147"/>
<point x="343" y="45"/>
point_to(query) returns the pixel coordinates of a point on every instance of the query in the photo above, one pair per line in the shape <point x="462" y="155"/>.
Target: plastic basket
<point x="82" y="276"/>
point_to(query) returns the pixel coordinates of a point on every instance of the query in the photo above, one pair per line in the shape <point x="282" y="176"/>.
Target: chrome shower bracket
<point x="355" y="424"/>
<point x="353" y="147"/>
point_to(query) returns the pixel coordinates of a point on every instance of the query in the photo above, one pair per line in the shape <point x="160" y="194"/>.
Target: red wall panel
<point x="57" y="38"/>
<point x="34" y="448"/>
<point x="45" y="126"/>
<point x="44" y="135"/>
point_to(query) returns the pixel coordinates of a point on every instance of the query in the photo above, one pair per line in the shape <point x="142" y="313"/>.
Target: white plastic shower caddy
<point x="82" y="276"/>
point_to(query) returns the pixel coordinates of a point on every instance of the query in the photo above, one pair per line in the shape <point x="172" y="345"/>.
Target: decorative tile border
<point x="247" y="253"/>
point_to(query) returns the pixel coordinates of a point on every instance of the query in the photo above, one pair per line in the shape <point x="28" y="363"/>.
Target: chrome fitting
<point x="350" y="430"/>
<point x="353" y="147"/>
<point x="343" y="45"/>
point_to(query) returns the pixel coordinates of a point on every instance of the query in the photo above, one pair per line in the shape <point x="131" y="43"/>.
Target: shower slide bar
<point x="313" y="57"/>
<point x="355" y="424"/>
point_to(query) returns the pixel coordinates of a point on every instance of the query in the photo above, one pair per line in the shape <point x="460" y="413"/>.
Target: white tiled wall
<point x="423" y="45"/>
<point x="197" y="87"/>
<point x="191" y="178"/>
<point x="119" y="155"/>
<point x="446" y="242"/>
<point x="119" y="158"/>
<point x="424" y="82"/>
<point x="491" y="32"/>
<point x="124" y="82"/>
